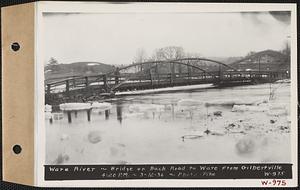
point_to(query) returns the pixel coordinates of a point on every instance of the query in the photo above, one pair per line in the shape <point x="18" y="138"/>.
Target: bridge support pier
<point x="88" y="114"/>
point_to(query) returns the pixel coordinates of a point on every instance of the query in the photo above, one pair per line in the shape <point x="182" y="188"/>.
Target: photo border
<point x="205" y="7"/>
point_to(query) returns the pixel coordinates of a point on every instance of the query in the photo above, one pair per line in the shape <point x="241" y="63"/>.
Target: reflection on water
<point x="88" y="114"/>
<point x="119" y="111"/>
<point x="181" y="127"/>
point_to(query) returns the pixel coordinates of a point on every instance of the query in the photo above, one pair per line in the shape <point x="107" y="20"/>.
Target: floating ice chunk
<point x="284" y="81"/>
<point x="259" y="102"/>
<point x="94" y="137"/>
<point x="114" y="151"/>
<point x="102" y="106"/>
<point x="48" y="115"/>
<point x="130" y="115"/>
<point x="48" y="108"/>
<point x="221" y="102"/>
<point x="64" y="137"/>
<point x="168" y="107"/>
<point x="245" y="146"/>
<point x="243" y="108"/>
<point x="278" y="106"/>
<point x="61" y="158"/>
<point x="122" y="162"/>
<point x="191" y="137"/>
<point x="74" y="106"/>
<point x="277" y="112"/>
<point x="57" y="116"/>
<point x="216" y="133"/>
<point x="188" y="102"/>
<point x="188" y="105"/>
<point x="231" y="102"/>
<point x="146" y="107"/>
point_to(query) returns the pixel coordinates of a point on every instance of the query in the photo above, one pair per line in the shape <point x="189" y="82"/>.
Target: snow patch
<point x="102" y="106"/>
<point x="243" y="108"/>
<point x="92" y="64"/>
<point x="146" y="107"/>
<point x="74" y="106"/>
<point x="190" y="87"/>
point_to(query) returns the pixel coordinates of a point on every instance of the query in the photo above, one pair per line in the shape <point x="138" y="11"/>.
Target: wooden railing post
<point x="189" y="72"/>
<point x="172" y="73"/>
<point x="48" y="88"/>
<point x="86" y="81"/>
<point x="179" y="70"/>
<point x="117" y="73"/>
<point x="151" y="81"/>
<point x="105" y="83"/>
<point x="220" y="72"/>
<point x="74" y="83"/>
<point x="67" y="86"/>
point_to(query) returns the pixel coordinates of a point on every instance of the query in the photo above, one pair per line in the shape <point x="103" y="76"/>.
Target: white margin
<point x="94" y="7"/>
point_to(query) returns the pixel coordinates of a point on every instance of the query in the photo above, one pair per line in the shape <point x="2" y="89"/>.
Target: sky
<point x="113" y="38"/>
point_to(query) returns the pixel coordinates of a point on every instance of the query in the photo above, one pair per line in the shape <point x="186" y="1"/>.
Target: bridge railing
<point x="108" y="81"/>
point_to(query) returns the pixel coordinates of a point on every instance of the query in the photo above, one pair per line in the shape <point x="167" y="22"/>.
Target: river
<point x="154" y="128"/>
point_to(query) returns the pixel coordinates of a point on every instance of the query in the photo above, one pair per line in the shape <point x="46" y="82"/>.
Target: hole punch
<point x="15" y="46"/>
<point x="17" y="149"/>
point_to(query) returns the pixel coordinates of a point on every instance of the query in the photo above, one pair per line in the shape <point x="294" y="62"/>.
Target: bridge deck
<point x="83" y="87"/>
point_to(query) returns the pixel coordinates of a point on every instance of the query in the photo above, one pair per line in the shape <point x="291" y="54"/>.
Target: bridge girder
<point x="163" y="62"/>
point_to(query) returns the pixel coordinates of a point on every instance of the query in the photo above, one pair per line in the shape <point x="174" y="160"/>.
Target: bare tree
<point x="141" y="55"/>
<point x="167" y="53"/>
<point x="287" y="49"/>
<point x="52" y="64"/>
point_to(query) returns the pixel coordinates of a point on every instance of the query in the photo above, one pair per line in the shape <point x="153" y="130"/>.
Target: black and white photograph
<point x="163" y="87"/>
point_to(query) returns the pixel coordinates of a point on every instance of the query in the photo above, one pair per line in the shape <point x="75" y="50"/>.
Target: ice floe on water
<point x="235" y="101"/>
<point x="146" y="108"/>
<point x="64" y="137"/>
<point x="94" y="137"/>
<point x="284" y="81"/>
<point x="176" y="128"/>
<point x="74" y="106"/>
<point x="244" y="108"/>
<point x="101" y="106"/>
<point x="189" y="103"/>
<point x="57" y="116"/>
<point x="134" y="115"/>
<point x="48" y="108"/>
<point x="48" y="115"/>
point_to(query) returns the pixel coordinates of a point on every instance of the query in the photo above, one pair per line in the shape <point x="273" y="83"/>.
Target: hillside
<point x="267" y="60"/>
<point x="76" y="69"/>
